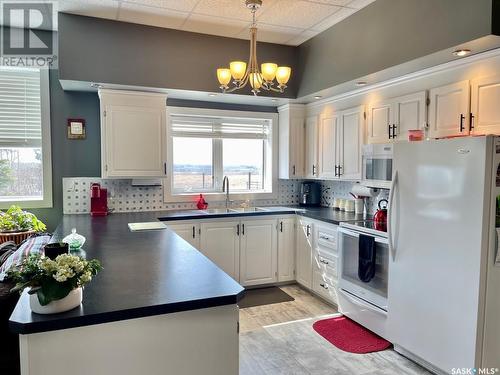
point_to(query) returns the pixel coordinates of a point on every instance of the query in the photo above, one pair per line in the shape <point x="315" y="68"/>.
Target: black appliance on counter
<point x="310" y="194"/>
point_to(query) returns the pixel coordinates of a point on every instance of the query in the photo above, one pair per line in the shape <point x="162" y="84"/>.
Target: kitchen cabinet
<point x="390" y="120"/>
<point x="304" y="248"/>
<point x="327" y="140"/>
<point x="349" y="140"/>
<point x="325" y="261"/>
<point x="258" y="252"/>
<point x="286" y="249"/>
<point x="220" y="241"/>
<point x="133" y="134"/>
<point x="291" y="141"/>
<point x="311" y="144"/>
<point x="449" y="110"/>
<point x="188" y="231"/>
<point x="485" y="108"/>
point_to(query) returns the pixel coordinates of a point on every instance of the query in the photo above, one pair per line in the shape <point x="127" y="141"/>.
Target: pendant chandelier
<point x="243" y="73"/>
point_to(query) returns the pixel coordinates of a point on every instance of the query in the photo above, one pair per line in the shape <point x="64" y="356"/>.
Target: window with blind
<point x="205" y="149"/>
<point x="24" y="138"/>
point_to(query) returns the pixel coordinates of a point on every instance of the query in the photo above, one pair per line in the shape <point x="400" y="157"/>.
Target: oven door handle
<point x="362" y="303"/>
<point x="352" y="233"/>
<point x="392" y="248"/>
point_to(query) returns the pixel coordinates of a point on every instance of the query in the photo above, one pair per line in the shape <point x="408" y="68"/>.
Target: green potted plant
<point x="56" y="285"/>
<point x="17" y="225"/>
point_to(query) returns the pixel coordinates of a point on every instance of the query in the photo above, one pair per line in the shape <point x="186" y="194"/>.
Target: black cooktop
<point x="371" y="224"/>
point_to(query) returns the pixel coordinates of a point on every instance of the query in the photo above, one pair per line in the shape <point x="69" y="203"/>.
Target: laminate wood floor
<point x="279" y="339"/>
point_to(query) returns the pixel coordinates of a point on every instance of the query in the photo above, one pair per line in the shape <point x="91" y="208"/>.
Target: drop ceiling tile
<point x="233" y="9"/>
<point x="299" y="39"/>
<point x="180" y="5"/>
<point x="213" y="25"/>
<point x="153" y="16"/>
<point x="273" y="34"/>
<point x="358" y="4"/>
<point x="93" y="8"/>
<point x="297" y="13"/>
<point x="333" y="19"/>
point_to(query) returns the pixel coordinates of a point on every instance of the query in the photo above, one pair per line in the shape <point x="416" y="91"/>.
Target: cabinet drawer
<point x="326" y="237"/>
<point x="324" y="288"/>
<point x="327" y="267"/>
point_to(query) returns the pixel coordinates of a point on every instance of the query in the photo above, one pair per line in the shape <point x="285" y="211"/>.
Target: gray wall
<point x="388" y="33"/>
<point x="98" y="50"/>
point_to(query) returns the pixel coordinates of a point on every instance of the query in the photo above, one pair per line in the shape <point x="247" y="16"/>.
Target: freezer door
<point x="436" y="243"/>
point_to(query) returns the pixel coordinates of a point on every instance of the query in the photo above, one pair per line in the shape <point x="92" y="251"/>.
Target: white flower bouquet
<point x="53" y="280"/>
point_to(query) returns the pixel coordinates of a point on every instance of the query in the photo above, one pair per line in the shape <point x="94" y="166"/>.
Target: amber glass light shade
<point x="224" y="76"/>
<point x="283" y="74"/>
<point x="238" y="69"/>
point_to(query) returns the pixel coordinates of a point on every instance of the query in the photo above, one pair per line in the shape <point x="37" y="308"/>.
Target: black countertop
<point x="145" y="273"/>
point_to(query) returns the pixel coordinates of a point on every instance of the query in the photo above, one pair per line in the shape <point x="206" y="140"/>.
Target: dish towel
<point x="367" y="256"/>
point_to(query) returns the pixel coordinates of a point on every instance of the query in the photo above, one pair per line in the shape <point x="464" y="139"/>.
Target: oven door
<point x="374" y="291"/>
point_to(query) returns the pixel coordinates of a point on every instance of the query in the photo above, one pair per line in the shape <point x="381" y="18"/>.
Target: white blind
<point x="20" y="114"/>
<point x="211" y="127"/>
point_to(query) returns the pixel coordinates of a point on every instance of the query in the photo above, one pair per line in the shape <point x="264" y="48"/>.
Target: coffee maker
<point x="310" y="194"/>
<point x="98" y="200"/>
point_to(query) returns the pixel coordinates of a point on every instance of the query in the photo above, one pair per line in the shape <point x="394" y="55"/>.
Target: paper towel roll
<point x="362" y="191"/>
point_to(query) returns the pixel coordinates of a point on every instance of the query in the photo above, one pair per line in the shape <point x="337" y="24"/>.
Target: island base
<point x="203" y="341"/>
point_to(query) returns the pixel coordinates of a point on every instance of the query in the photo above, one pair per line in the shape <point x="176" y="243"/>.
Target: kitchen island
<point x="159" y="306"/>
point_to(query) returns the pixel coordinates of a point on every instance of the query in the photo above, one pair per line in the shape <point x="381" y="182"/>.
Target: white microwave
<point x="377" y="165"/>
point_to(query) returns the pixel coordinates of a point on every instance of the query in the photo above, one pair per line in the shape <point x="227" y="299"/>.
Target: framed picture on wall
<point x="76" y="128"/>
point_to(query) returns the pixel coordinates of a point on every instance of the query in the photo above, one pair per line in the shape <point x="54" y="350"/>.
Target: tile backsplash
<point x="123" y="197"/>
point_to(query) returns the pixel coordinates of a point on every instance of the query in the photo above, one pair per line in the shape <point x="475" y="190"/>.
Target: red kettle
<point x="381" y="214"/>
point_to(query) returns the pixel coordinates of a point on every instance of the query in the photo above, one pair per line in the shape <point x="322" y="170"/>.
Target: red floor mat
<point x="349" y="336"/>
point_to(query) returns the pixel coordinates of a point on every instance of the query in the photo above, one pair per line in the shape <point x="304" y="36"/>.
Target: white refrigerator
<point x="444" y="278"/>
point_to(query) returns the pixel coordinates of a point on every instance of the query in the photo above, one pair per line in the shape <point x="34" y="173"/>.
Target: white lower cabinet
<point x="188" y="231"/>
<point x="303" y="257"/>
<point x="258" y="252"/>
<point x="220" y="242"/>
<point x="253" y="252"/>
<point x="286" y="249"/>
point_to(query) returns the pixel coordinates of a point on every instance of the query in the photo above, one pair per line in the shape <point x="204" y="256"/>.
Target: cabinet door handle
<point x="336" y="170"/>
<point x="324" y="261"/>
<point x="314" y="169"/>
<point x="325" y="238"/>
<point x="340" y="169"/>
<point x="242" y="229"/>
<point x="394" y="127"/>
<point x="308" y="230"/>
<point x="323" y="286"/>
<point x="462" y="118"/>
<point x="389" y="130"/>
<point x="194" y="232"/>
<point x="293" y="168"/>
<point x="165" y="168"/>
<point x="238" y="229"/>
<point x="281" y="226"/>
<point x="471" y="124"/>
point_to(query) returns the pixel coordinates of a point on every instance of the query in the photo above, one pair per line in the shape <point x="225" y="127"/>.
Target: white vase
<point x="72" y="300"/>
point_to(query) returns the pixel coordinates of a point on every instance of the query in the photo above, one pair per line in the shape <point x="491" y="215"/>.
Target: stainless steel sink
<point x="216" y="211"/>
<point x="249" y="209"/>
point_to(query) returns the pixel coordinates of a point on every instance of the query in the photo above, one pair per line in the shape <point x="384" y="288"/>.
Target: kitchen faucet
<point x="225" y="189"/>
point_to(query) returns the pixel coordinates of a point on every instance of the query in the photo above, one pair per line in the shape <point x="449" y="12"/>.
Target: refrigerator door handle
<point x="392" y="249"/>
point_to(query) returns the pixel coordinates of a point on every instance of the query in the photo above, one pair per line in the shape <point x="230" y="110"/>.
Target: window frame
<point x="271" y="160"/>
<point x="46" y="201"/>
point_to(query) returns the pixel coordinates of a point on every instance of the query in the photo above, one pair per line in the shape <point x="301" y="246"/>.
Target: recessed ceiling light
<point x="317" y="97"/>
<point x="274" y="100"/>
<point x="96" y="85"/>
<point x="212" y="94"/>
<point x="361" y="83"/>
<point x="461" y="52"/>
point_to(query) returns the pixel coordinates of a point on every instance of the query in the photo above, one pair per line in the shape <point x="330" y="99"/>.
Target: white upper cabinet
<point x="291" y="141"/>
<point x="410" y="113"/>
<point x="485" y="105"/>
<point x="390" y="120"/>
<point x="327" y="147"/>
<point x="449" y="110"/>
<point x="350" y="136"/>
<point x="379" y="121"/>
<point x="133" y="134"/>
<point x="311" y="137"/>
<point x="258" y="252"/>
